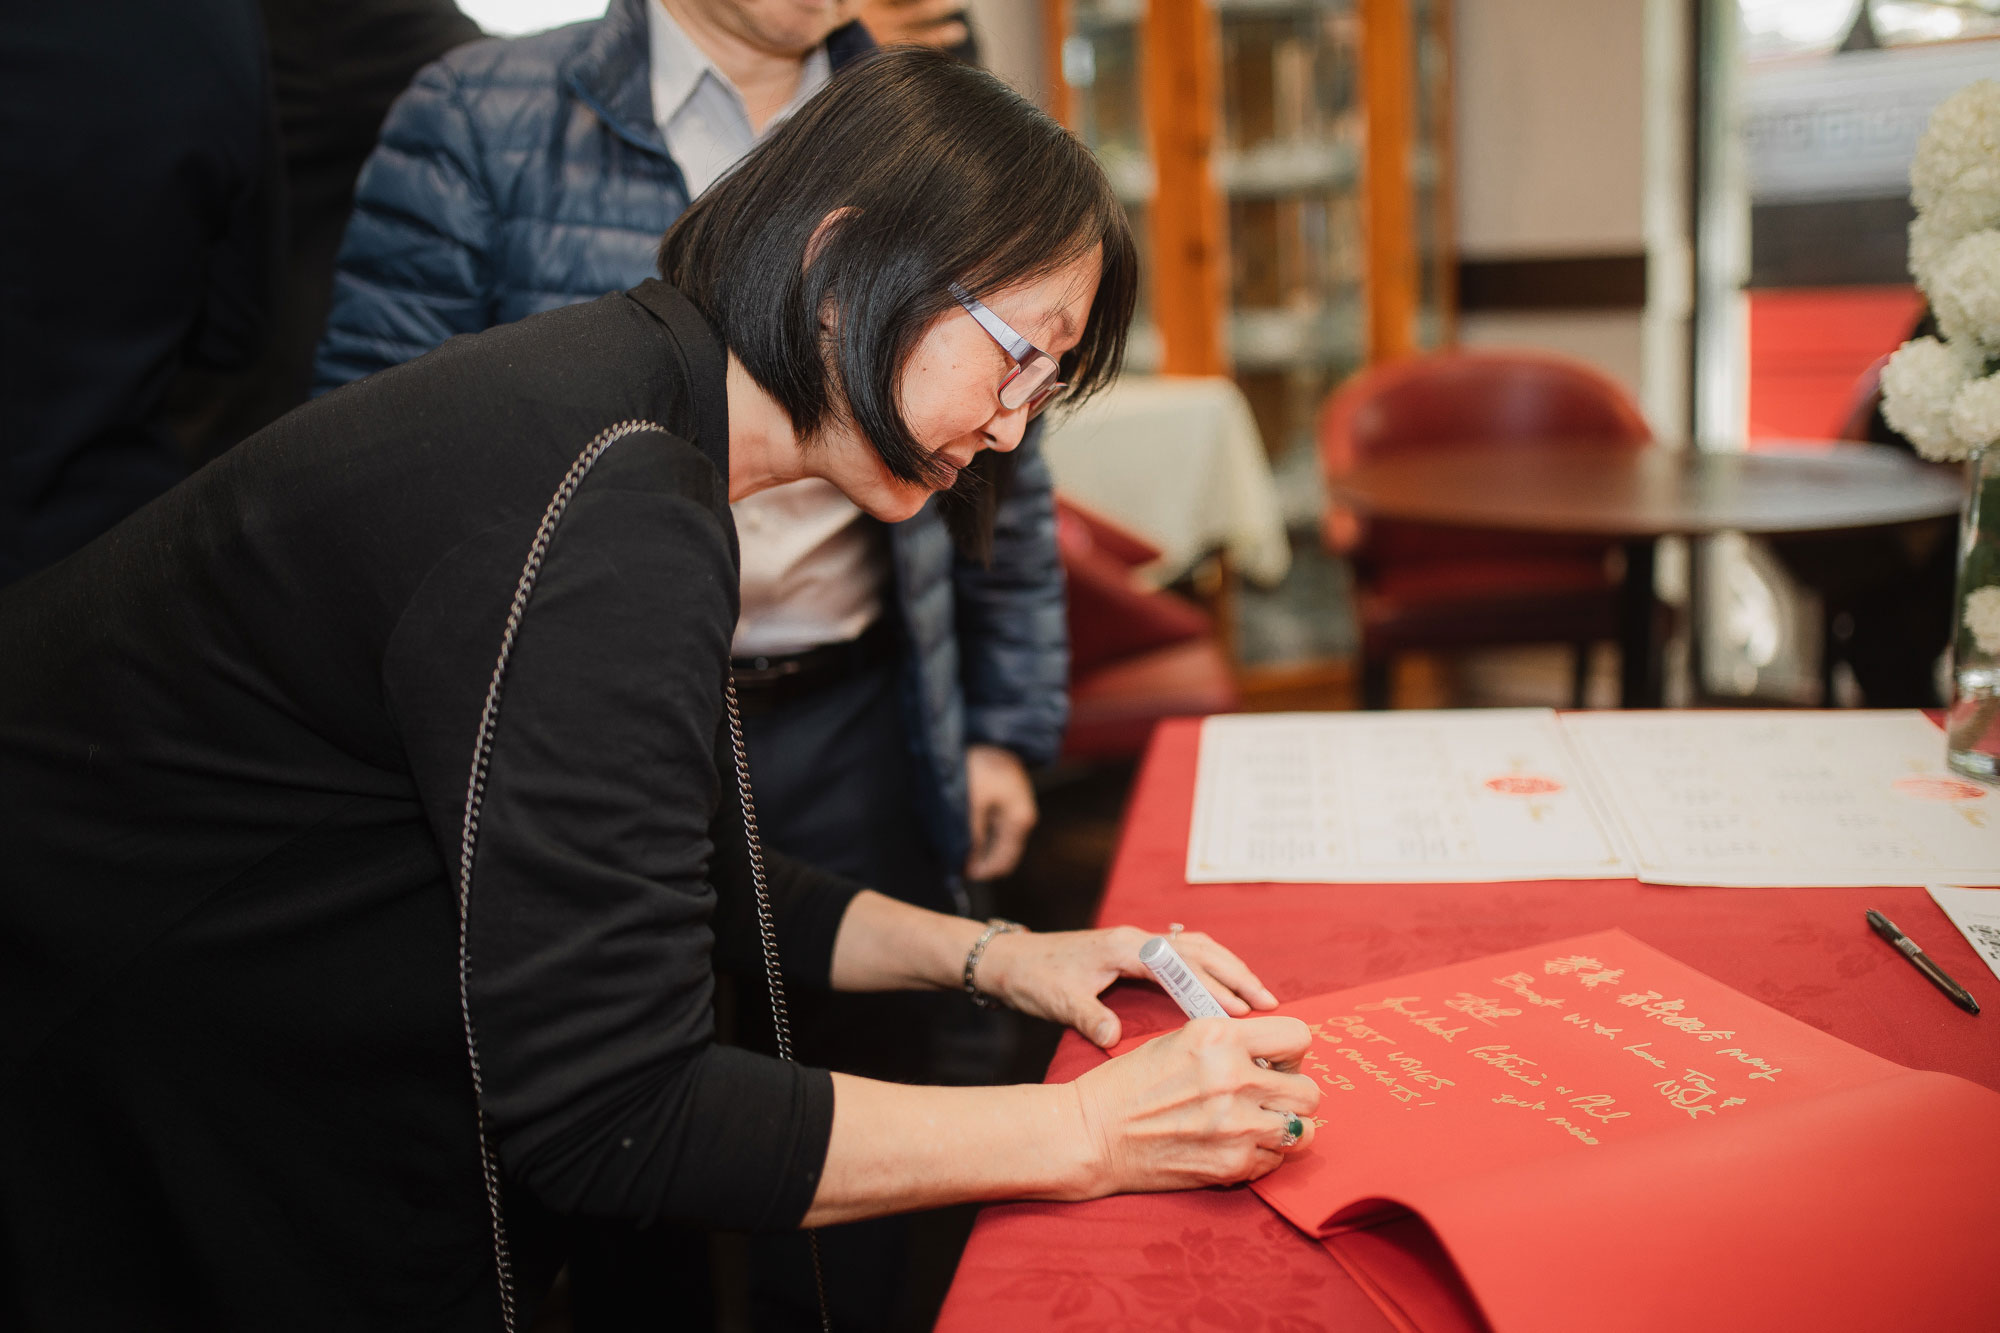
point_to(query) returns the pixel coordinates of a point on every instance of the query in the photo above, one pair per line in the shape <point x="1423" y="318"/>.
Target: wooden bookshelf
<point x="1286" y="165"/>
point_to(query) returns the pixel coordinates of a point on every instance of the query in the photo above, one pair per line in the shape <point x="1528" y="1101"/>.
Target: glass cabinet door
<point x="1100" y="66"/>
<point x="1288" y="167"/>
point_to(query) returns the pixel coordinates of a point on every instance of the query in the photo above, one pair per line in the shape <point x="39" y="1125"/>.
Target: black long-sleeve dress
<point x="235" y="740"/>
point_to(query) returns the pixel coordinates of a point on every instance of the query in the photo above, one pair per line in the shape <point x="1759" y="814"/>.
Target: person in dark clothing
<point x="1886" y="593"/>
<point x="139" y="231"/>
<point x="374" y="801"/>
<point x="336" y="65"/>
<point x="518" y="176"/>
<point x="894" y="694"/>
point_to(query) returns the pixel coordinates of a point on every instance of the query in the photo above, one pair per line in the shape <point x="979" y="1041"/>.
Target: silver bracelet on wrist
<point x="994" y="926"/>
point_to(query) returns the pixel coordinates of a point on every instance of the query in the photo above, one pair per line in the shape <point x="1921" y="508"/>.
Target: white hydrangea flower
<point x="1975" y="413"/>
<point x="1965" y="289"/>
<point x="1957" y="164"/>
<point x="1982" y="617"/>
<point x="1931" y="237"/>
<point x="1918" y="386"/>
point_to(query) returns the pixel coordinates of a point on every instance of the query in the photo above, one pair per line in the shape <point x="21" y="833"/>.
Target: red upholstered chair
<point x="1421" y="587"/>
<point x="1136" y="655"/>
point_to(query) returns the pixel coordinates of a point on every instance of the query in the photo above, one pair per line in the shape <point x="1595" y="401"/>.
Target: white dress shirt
<point x="813" y="569"/>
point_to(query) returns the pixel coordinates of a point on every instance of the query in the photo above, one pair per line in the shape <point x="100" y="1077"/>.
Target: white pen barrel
<point x="1178" y="980"/>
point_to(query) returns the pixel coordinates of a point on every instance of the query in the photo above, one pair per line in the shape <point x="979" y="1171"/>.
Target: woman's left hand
<point x="1058" y="976"/>
<point x="1000" y="798"/>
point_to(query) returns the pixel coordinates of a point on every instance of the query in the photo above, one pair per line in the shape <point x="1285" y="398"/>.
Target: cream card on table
<point x="1787" y="799"/>
<point x="1419" y="797"/>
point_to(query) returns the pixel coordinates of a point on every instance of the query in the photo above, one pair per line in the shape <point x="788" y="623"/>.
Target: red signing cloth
<point x="1223" y="1259"/>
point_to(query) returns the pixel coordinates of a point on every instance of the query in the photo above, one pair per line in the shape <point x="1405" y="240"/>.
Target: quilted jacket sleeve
<point x="416" y="265"/>
<point x="1012" y="634"/>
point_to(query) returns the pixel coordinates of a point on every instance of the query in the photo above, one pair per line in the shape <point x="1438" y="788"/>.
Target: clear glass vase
<point x="1972" y="726"/>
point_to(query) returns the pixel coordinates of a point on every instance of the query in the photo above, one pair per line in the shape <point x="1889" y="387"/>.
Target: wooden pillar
<point x="1055" y="29"/>
<point x="1388" y="92"/>
<point x="1179" y="76"/>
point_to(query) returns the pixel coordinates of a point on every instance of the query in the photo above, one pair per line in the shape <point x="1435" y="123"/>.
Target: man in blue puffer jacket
<point x="515" y="176"/>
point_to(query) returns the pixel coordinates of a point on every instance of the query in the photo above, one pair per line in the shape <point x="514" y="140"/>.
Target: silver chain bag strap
<point x="475" y="796"/>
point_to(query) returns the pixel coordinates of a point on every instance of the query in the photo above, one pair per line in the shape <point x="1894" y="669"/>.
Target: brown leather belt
<point x="766" y="683"/>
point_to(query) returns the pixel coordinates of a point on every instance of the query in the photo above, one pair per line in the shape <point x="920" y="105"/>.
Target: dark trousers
<point x="835" y="785"/>
<point x="1893" y="587"/>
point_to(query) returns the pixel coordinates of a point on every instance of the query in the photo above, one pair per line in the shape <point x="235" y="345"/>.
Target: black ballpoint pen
<point x="1886" y="928"/>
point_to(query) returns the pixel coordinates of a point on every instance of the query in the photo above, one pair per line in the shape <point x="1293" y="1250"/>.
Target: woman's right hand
<point x="1193" y="1107"/>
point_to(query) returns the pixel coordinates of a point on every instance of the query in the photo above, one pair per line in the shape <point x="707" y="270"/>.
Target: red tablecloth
<point x="1222" y="1260"/>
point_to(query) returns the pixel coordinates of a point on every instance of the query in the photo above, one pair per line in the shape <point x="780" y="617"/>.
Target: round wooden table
<point x="1635" y="496"/>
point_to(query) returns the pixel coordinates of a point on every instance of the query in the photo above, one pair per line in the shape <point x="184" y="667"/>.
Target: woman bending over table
<point x="372" y="804"/>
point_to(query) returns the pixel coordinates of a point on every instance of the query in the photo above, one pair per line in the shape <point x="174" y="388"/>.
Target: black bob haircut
<point x="947" y="175"/>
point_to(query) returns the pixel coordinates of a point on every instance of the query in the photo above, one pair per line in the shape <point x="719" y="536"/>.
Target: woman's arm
<point x="588" y="941"/>
<point x="884" y="944"/>
<point x="1188" y="1109"/>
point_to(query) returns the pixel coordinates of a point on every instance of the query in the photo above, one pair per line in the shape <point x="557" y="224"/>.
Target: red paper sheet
<point x="1401" y="1267"/>
<point x="1604" y="1138"/>
<point x="1102" y="1266"/>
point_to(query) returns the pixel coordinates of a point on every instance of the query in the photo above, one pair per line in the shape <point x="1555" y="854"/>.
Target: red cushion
<point x="1503" y="602"/>
<point x="1111" y="617"/>
<point x="1113" y="709"/>
<point x="1387" y="544"/>
<point x="1454" y="580"/>
<point x="1079" y="529"/>
<point x="1457" y="398"/>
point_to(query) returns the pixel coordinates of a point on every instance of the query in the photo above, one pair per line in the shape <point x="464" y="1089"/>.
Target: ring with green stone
<point x="1295" y="1130"/>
